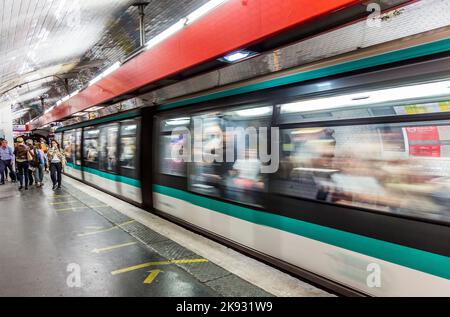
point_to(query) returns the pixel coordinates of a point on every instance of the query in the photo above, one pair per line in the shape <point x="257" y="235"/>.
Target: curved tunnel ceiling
<point x="72" y="39"/>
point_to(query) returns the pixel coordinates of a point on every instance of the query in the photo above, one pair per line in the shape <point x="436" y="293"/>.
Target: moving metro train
<point x="359" y="202"/>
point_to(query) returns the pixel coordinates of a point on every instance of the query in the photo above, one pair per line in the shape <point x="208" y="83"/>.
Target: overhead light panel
<point x="166" y="34"/>
<point x="192" y="17"/>
<point x="398" y="94"/>
<point x="95" y="108"/>
<point x="79" y="114"/>
<point x="203" y="10"/>
<point x="238" y="56"/>
<point x="105" y="73"/>
<point x="255" y="112"/>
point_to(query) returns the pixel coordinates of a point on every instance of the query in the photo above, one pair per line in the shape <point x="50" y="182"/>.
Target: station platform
<point x="79" y="241"/>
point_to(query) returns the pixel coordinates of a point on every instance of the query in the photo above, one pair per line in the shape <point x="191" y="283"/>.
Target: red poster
<point x="425" y="150"/>
<point x="423" y="134"/>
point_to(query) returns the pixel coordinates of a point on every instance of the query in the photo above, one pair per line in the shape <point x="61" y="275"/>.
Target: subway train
<point x="339" y="174"/>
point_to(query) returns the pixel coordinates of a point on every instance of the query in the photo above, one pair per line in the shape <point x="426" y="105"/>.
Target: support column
<point x="6" y="124"/>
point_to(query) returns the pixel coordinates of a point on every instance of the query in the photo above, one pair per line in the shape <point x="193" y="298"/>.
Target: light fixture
<point x="238" y="56"/>
<point x="179" y="121"/>
<point x="105" y="73"/>
<point x="405" y="93"/>
<point x="204" y="9"/>
<point x="178" y="26"/>
<point x="79" y="114"/>
<point x="255" y="112"/>
<point x="166" y="34"/>
<point x="95" y="108"/>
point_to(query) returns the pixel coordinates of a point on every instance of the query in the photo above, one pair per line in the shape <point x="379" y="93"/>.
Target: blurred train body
<point x="360" y="202"/>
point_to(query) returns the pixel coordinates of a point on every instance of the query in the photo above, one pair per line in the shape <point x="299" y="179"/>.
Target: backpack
<point x="36" y="159"/>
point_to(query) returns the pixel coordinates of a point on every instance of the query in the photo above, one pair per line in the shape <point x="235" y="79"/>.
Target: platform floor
<point x="81" y="242"/>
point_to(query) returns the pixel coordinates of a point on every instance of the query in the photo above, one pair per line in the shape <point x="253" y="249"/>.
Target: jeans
<point x="8" y="167"/>
<point x="55" y="173"/>
<point x="2" y="171"/>
<point x="39" y="173"/>
<point x="23" y="169"/>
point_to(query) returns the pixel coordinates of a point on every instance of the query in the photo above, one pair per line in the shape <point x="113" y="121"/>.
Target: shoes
<point x="26" y="188"/>
<point x="59" y="187"/>
<point x="2" y="183"/>
<point x="54" y="187"/>
<point x="21" y="187"/>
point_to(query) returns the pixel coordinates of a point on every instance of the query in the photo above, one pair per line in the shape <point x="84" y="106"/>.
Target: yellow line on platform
<point x="157" y="263"/>
<point x="81" y="207"/>
<point x="65" y="202"/>
<point x="104" y="230"/>
<point x="114" y="247"/>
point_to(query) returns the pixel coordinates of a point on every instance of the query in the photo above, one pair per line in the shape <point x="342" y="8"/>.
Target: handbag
<point x="29" y="156"/>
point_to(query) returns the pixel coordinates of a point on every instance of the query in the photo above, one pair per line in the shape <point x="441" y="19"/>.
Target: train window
<point x="68" y="146"/>
<point x="128" y="148"/>
<point x="76" y="147"/>
<point x="108" y="147"/>
<point x="173" y="139"/>
<point x="401" y="168"/>
<point x="407" y="100"/>
<point x="91" y="147"/>
<point x="216" y="172"/>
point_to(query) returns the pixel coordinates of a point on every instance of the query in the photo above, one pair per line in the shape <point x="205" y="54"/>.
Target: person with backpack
<point x="39" y="164"/>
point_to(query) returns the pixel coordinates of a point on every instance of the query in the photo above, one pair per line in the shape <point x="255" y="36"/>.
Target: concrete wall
<point x="6" y="125"/>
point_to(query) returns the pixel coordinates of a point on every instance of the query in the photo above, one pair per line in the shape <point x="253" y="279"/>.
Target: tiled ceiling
<point x="72" y="39"/>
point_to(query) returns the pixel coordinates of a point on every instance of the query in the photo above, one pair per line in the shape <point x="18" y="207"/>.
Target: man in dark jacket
<point x="21" y="152"/>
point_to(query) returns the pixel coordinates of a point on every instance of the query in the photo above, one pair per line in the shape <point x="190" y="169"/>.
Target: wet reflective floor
<point x="67" y="243"/>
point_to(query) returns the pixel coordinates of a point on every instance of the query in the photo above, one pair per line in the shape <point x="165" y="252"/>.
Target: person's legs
<point x="21" y="172"/>
<point x="30" y="175"/>
<point x="2" y="172"/>
<point x="53" y="172"/>
<point x="41" y="174"/>
<point x="59" y="170"/>
<point x="9" y="170"/>
<point x="36" y="175"/>
<point x="26" y="173"/>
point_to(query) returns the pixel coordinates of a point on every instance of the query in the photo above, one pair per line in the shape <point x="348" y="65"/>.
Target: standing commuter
<point x="31" y="168"/>
<point x="39" y="164"/>
<point x="57" y="162"/>
<point x="22" y="159"/>
<point x="6" y="161"/>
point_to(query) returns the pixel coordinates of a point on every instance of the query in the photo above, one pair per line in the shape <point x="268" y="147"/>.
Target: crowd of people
<point x="27" y="161"/>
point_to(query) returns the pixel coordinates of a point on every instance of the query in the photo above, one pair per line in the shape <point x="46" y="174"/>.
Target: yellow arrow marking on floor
<point x="104" y="230"/>
<point x="118" y="246"/>
<point x="144" y="265"/>
<point x="151" y="277"/>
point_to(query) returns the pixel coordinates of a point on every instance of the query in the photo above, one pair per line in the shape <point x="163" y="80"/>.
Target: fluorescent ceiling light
<point x="105" y="73"/>
<point x="237" y="56"/>
<point x="50" y="109"/>
<point x="206" y="8"/>
<point x="435" y="89"/>
<point x="79" y="114"/>
<point x="194" y="16"/>
<point x="166" y="34"/>
<point x="254" y="112"/>
<point x="180" y="121"/>
<point x="95" y="108"/>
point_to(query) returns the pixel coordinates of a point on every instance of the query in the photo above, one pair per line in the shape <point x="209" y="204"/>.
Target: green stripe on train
<point x="427" y="262"/>
<point x="113" y="177"/>
<point x="383" y="59"/>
